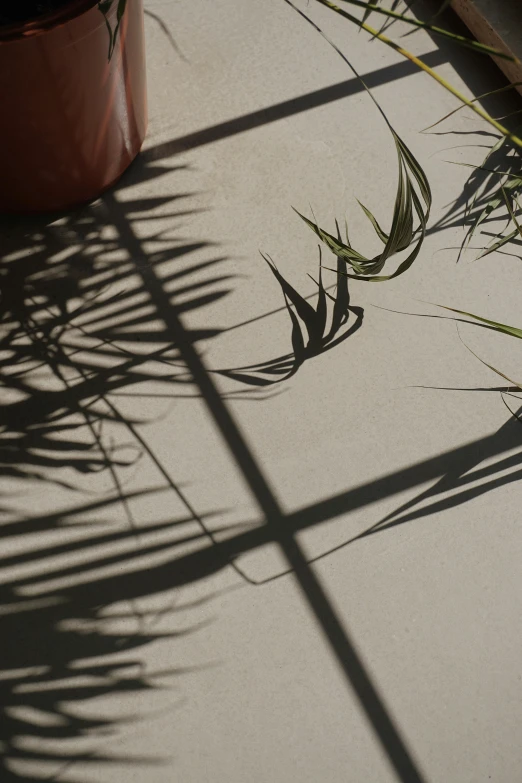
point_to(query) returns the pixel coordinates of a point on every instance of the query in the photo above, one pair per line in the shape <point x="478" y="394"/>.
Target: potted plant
<point x="73" y="99"/>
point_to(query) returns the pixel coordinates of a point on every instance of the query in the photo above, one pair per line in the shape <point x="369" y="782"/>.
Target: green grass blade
<point x="403" y="266"/>
<point x="383" y="236"/>
<point x="516" y="140"/>
<point x="418" y="173"/>
<point x="461" y="40"/>
<point x="499" y="243"/>
<point x="407" y="206"/>
<point x="492" y="205"/>
<point x="511" y="213"/>
<point x="475" y="100"/>
<point x="494" y="325"/>
<point x="491" y="367"/>
<point x="335" y="245"/>
<point x="402" y="232"/>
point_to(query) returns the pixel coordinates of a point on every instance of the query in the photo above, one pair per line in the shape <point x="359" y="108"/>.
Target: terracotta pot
<point x="71" y="121"/>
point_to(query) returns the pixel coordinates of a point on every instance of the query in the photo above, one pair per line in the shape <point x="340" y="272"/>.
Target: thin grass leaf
<point x="346" y="232"/>
<point x="516" y="140"/>
<point x="495" y="148"/>
<point x="444" y="5"/>
<point x="478" y="98"/>
<point x="383" y="236"/>
<point x="498" y="244"/>
<point x="495" y="201"/>
<point x="408" y="205"/>
<point x="335" y="245"/>
<point x="417" y="171"/>
<point x="461" y="40"/>
<point x="510" y="114"/>
<point x="515" y="415"/>
<point x="497" y="172"/>
<point x="348" y="243"/>
<point x="367" y="13"/>
<point x="389" y="22"/>
<point x="493" y="325"/>
<point x="510" y="210"/>
<point x="469" y="208"/>
<point x="491" y="367"/>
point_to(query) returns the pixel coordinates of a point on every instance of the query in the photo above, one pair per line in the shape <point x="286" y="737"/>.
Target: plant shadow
<point x="84" y="590"/>
<point x="92" y="314"/>
<point x="314" y="330"/>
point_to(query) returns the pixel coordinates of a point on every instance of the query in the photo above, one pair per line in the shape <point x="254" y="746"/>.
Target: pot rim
<point x="46" y="22"/>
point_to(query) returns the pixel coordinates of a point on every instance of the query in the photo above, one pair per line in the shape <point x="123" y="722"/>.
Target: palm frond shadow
<point x="92" y="309"/>
<point x="82" y="591"/>
<point x="314" y="330"/>
<point x="80" y="331"/>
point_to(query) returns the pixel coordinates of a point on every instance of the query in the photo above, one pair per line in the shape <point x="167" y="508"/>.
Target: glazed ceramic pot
<point x="72" y="119"/>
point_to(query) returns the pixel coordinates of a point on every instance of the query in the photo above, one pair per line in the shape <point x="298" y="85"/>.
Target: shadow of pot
<point x="72" y="121"/>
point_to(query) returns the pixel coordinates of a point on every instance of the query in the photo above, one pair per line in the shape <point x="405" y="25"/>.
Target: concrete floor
<point x="135" y="651"/>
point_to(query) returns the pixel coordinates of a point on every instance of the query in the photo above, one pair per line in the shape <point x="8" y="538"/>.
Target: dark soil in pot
<point x="17" y="11"/>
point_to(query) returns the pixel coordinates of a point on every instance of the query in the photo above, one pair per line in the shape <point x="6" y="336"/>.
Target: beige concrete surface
<point x="133" y="651"/>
